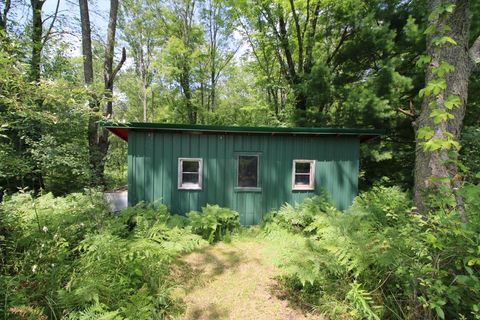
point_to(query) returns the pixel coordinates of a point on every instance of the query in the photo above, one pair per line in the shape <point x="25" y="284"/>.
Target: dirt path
<point x="232" y="281"/>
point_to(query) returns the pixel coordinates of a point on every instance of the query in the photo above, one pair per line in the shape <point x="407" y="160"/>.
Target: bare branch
<point x="407" y="113"/>
<point x="54" y="18"/>
<point x="343" y="37"/>
<point x="119" y="65"/>
<point x="410" y="113"/>
<point x="226" y="62"/>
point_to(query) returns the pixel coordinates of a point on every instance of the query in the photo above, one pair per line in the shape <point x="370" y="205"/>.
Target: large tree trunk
<point x="109" y="74"/>
<point x="98" y="138"/>
<point x="36" y="38"/>
<point x="94" y="155"/>
<point x="86" y="42"/>
<point x="432" y="168"/>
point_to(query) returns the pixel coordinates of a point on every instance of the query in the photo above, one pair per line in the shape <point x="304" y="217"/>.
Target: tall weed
<point x="68" y="257"/>
<point x="214" y="223"/>
<point x="381" y="260"/>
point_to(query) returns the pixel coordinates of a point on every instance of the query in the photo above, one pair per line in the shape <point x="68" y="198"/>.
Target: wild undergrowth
<point x="70" y="258"/>
<point x="214" y="223"/>
<point x="381" y="260"/>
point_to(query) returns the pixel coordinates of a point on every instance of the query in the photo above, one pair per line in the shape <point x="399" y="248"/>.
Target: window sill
<point x="303" y="189"/>
<point x="190" y="188"/>
<point x="238" y="189"/>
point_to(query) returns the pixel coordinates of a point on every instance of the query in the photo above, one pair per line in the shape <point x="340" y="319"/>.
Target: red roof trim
<point x="122" y="133"/>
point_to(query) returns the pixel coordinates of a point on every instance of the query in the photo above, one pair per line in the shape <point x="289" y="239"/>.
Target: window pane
<point x="302" y="179"/>
<point x="190" y="166"/>
<point x="190" y="178"/>
<point x="247" y="171"/>
<point x="302" y="167"/>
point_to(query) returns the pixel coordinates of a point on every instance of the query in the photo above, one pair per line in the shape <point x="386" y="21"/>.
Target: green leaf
<point x="432" y="145"/>
<point x="431" y="29"/>
<point x="444" y="144"/>
<point x="438" y="41"/>
<point x="443" y="68"/>
<point x="434" y="86"/>
<point x="425" y="133"/>
<point x="423" y="60"/>
<point x="452" y="101"/>
<point x="439" y="115"/>
<point x="439" y="312"/>
<point x="449" y="7"/>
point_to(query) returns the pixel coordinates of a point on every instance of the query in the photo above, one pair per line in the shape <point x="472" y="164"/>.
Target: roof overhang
<point x="122" y="129"/>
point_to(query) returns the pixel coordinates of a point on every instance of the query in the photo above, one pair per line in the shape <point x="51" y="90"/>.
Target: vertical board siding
<point x="153" y="170"/>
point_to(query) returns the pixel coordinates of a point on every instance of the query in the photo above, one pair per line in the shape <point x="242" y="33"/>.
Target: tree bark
<point x="184" y="77"/>
<point x="94" y="117"/>
<point x="98" y="138"/>
<point x="86" y="42"/>
<point x="295" y="72"/>
<point x="432" y="168"/>
<point x="109" y="74"/>
<point x="187" y="93"/>
<point x="36" y="39"/>
<point x="4" y="15"/>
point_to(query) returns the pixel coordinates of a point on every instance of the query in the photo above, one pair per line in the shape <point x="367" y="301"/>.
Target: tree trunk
<point x="3" y="17"/>
<point x="86" y="42"/>
<point x="109" y="74"/>
<point x="96" y="176"/>
<point x="98" y="138"/>
<point x="431" y="167"/>
<point x="187" y="93"/>
<point x="144" y="98"/>
<point x="36" y="38"/>
<point x="300" y="106"/>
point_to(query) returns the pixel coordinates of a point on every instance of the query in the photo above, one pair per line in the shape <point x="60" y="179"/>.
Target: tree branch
<point x="410" y="113"/>
<point x="119" y="65"/>
<point x="407" y="113"/>
<point x="310" y="39"/>
<point x="54" y="18"/>
<point x="343" y="37"/>
<point x="286" y="48"/>
<point x="474" y="51"/>
<point x="299" y="35"/>
<point x="283" y="65"/>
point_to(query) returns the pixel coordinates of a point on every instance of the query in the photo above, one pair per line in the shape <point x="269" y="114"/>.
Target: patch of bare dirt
<point x="232" y="281"/>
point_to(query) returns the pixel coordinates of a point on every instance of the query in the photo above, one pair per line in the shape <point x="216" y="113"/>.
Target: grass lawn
<point x="234" y="281"/>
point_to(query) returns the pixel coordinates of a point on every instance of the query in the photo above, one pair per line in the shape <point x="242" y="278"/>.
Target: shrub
<point x="214" y="223"/>
<point x="297" y="217"/>
<point x="68" y="257"/>
<point x="380" y="260"/>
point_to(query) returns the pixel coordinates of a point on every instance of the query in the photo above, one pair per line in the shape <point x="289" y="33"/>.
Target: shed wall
<point x="153" y="161"/>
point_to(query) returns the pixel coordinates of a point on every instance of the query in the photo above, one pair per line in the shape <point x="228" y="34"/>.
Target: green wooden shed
<point x="249" y="169"/>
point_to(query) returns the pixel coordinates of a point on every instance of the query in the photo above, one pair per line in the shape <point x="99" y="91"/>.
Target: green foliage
<point x="382" y="260"/>
<point x="469" y="153"/>
<point x="43" y="137"/>
<point x="297" y="217"/>
<point x="434" y="87"/>
<point x="214" y="223"/>
<point x="68" y="256"/>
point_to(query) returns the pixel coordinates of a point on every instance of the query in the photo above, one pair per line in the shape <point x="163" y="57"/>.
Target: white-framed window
<point x="248" y="171"/>
<point x="303" y="175"/>
<point x="190" y="173"/>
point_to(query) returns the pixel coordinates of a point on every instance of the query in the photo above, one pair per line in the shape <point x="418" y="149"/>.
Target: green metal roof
<point x="121" y="130"/>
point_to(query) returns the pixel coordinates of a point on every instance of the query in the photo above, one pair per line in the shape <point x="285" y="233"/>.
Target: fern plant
<point x="214" y="223"/>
